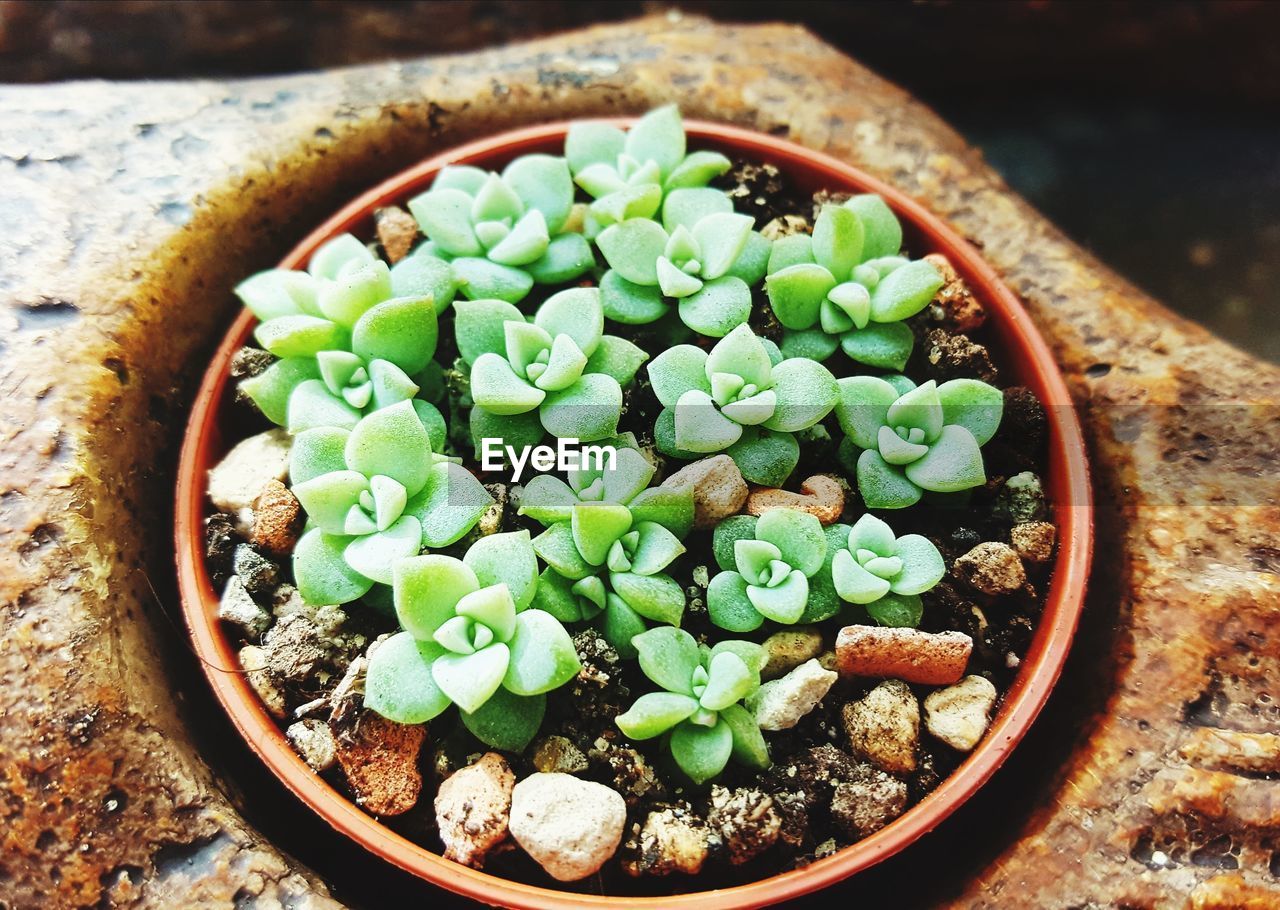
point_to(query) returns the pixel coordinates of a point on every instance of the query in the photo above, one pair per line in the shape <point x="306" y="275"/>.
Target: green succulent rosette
<point x="699" y="708"/>
<point x="885" y="573"/>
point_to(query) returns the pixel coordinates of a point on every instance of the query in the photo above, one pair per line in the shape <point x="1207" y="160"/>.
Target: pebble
<point x="238" y="608"/>
<point x="558" y="754"/>
<point x="568" y="826"/>
<point x="397" y="231"/>
<point x="956" y="356"/>
<point x="744" y="821"/>
<point x="821" y="495"/>
<point x="259" y="574"/>
<point x="954" y="306"/>
<point x="315" y="742"/>
<point x="295" y="649"/>
<point x="380" y="760"/>
<point x="254" y="661"/>
<point x="237" y="480"/>
<point x="473" y="808"/>
<point x="959" y="715"/>
<point x="991" y="567"/>
<point x="220" y="541"/>
<point x="1034" y="540"/>
<point x="673" y="839"/>
<point x="718" y="489"/>
<point x="926" y="658"/>
<point x="1021" y="499"/>
<point x="884" y="727"/>
<point x="277" y="519"/>
<point x="867" y="803"/>
<point x="788" y="649"/>
<point x="781" y="703"/>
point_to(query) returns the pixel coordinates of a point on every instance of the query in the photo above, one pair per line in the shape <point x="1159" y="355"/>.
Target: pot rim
<point x="1067" y="482"/>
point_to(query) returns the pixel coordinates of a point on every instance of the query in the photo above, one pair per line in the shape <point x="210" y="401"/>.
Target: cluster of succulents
<point x="625" y="230"/>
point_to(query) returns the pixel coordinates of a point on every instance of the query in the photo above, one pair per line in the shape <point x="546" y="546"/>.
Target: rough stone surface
<point x="380" y="760"/>
<point x="473" y="806"/>
<point x="959" y="715"/>
<point x="236" y="481"/>
<point x="744" y="822"/>
<point x="867" y="803"/>
<point x="673" y="839"/>
<point x="718" y="489"/>
<point x="254" y="661"/>
<point x="277" y="519"/>
<point x="397" y="232"/>
<point x="558" y="753"/>
<point x="154" y="198"/>
<point x="315" y="742"/>
<point x="928" y="658"/>
<point x="789" y="648"/>
<point x="821" y="495"/>
<point x="1033" y="541"/>
<point x="1021" y="498"/>
<point x="991" y="567"/>
<point x="884" y="726"/>
<point x="259" y="574"/>
<point x="569" y="826"/>
<point x="954" y="307"/>
<point x="780" y="703"/>
<point x="239" y="609"/>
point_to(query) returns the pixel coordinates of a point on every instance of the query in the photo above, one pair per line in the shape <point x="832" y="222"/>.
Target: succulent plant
<point x="502" y="233"/>
<point x="885" y="573"/>
<point x="690" y="256"/>
<point x="628" y="173"/>
<point x="846" y="286"/>
<point x="741" y="399"/>
<point x="559" y="373"/>
<point x="773" y="560"/>
<point x="471" y="639"/>
<point x="374" y="495"/>
<point x="347" y="343"/>
<point x="699" y="706"/>
<point x="907" y="439"/>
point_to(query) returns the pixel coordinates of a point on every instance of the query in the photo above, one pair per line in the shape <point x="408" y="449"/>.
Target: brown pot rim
<point x="1067" y="485"/>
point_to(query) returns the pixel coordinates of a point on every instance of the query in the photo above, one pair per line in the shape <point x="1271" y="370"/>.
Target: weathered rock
<point x="237" y="480"/>
<point x="315" y="742"/>
<point x="397" y="231"/>
<point x="569" y="826"/>
<point x="295" y="650"/>
<point x="718" y="489"/>
<point x="789" y="648"/>
<point x="238" y="608"/>
<point x="1033" y="540"/>
<point x="867" y="803"/>
<point x="959" y="715"/>
<point x="780" y="703"/>
<point x="744" y="822"/>
<point x="992" y="568"/>
<point x="220" y="539"/>
<point x="821" y="495"/>
<point x="473" y="808"/>
<point x="1021" y="499"/>
<point x="254" y="661"/>
<point x="672" y="839"/>
<point x="558" y="754"/>
<point x="630" y="772"/>
<point x="954" y="307"/>
<point x="933" y="659"/>
<point x="380" y="760"/>
<point x="277" y="519"/>
<point x="884" y="727"/>
<point x="948" y="356"/>
<point x="259" y="574"/>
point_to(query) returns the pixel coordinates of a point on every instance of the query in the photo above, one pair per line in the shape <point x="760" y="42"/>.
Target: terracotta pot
<point x="1026" y="360"/>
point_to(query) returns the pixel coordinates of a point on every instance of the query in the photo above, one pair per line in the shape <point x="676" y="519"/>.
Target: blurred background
<point x="1149" y="131"/>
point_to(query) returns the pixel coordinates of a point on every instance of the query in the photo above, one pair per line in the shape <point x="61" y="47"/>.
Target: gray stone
<point x="1021" y="499"/>
<point x="570" y="827"/>
<point x="959" y="715"/>
<point x="259" y="574"/>
<point x="254" y="661"/>
<point x="238" y="608"/>
<point x="865" y="804"/>
<point x="314" y="741"/>
<point x="744" y="822"/>
<point x="781" y="703"/>
<point x="236" y="481"/>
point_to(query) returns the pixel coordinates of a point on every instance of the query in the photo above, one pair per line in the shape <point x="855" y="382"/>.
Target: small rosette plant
<point x="374" y="495"/>
<point x="471" y="639"/>
<point x="700" y="706"/>
<point x="559" y="373"/>
<point x="772" y="570"/>
<point x="692" y="256"/>
<point x="902" y="440"/>
<point x="738" y="398"/>
<point x="883" y="572"/>
<point x="846" y="286"/>
<point x="628" y="173"/>
<point x="502" y="233"/>
<point x="347" y="343"/>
